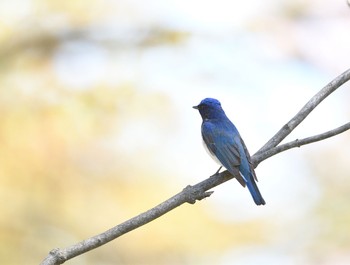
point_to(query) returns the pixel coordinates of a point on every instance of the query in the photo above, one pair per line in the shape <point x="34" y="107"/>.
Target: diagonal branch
<point x="305" y="111"/>
<point x="189" y="194"/>
<point x="200" y="191"/>
<point x="259" y="157"/>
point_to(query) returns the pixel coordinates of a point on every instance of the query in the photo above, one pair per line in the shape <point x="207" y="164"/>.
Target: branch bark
<point x="200" y="191"/>
<point x="259" y="157"/>
<point x="305" y="111"/>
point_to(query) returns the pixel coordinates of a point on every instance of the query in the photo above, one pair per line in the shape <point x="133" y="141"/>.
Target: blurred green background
<point x="96" y="126"/>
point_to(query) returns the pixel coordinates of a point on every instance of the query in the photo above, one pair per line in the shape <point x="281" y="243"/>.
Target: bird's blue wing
<point x="250" y="163"/>
<point x="222" y="143"/>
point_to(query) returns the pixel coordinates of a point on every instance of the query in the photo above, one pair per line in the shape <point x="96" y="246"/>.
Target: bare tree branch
<point x="200" y="191"/>
<point x="298" y="143"/>
<point x="189" y="194"/>
<point x="305" y="111"/>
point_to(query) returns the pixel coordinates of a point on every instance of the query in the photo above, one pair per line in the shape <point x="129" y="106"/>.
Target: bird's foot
<point x="217" y="172"/>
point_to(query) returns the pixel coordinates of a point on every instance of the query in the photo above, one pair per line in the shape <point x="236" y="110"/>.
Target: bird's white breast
<point x="211" y="154"/>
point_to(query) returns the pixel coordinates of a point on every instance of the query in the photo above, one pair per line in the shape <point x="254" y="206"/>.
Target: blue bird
<point x="226" y="146"/>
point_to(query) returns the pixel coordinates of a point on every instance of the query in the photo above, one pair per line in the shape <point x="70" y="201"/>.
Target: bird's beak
<point x="195" y="107"/>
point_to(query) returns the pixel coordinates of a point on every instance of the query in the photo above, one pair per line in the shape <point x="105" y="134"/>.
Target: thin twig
<point x="305" y="111"/>
<point x="200" y="191"/>
<point x="259" y="157"/>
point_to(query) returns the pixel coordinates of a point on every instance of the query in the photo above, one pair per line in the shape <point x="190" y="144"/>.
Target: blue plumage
<point x="223" y="141"/>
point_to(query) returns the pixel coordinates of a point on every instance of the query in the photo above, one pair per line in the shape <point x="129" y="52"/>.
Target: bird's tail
<point x="254" y="191"/>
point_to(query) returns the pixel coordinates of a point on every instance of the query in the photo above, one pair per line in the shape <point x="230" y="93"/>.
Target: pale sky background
<point x="261" y="86"/>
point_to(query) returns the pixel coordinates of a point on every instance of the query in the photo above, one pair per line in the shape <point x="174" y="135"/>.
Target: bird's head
<point x="210" y="108"/>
